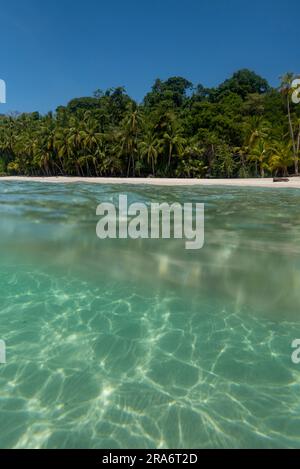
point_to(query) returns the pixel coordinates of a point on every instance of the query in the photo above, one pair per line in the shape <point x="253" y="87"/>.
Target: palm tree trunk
<point x="298" y="147"/>
<point x="128" y="167"/>
<point x="170" y="155"/>
<point x="292" y="135"/>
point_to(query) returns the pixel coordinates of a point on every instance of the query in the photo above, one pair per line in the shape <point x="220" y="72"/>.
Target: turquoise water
<point x="121" y="343"/>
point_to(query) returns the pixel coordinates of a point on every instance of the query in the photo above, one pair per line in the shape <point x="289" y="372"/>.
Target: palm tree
<point x="281" y="157"/>
<point x="259" y="154"/>
<point x="150" y="147"/>
<point x="8" y="139"/>
<point x="128" y="136"/>
<point x="74" y="145"/>
<point x="286" y="90"/>
<point x="61" y="147"/>
<point x="191" y="163"/>
<point x="256" y="128"/>
<point x="173" y="141"/>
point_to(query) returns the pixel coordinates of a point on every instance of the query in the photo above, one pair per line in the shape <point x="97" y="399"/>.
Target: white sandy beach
<point x="294" y="183"/>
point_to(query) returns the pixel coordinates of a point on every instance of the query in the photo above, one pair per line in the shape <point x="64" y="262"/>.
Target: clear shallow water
<point x="141" y="343"/>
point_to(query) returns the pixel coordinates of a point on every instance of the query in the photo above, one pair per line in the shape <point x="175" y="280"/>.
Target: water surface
<point x="120" y="343"/>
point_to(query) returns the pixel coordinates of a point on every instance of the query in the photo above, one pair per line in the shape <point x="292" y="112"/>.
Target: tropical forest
<point x="242" y="128"/>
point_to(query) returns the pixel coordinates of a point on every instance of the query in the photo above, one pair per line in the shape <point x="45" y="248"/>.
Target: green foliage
<point x="172" y="93"/>
<point x="242" y="128"/>
<point x="243" y="83"/>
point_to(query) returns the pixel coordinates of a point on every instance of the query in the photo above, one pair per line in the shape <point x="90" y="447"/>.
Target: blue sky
<point x="54" y="50"/>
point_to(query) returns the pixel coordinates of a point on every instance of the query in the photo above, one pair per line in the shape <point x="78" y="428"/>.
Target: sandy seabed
<point x="293" y="183"/>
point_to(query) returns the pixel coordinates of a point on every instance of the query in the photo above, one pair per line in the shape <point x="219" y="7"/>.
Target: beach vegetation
<point x="242" y="128"/>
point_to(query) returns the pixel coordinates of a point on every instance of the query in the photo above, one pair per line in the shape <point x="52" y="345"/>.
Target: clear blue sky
<point x="54" y="50"/>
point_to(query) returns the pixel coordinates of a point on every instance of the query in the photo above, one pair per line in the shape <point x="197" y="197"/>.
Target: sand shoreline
<point x="294" y="183"/>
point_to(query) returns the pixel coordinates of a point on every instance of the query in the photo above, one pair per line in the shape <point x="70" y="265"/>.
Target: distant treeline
<point x="242" y="128"/>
